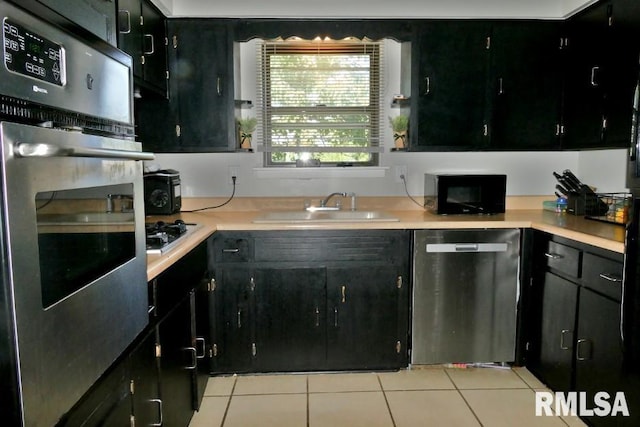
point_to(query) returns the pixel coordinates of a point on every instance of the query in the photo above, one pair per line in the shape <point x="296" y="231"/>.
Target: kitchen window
<point x="320" y="102"/>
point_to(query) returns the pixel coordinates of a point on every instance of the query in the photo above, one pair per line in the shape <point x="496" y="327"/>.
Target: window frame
<point x="374" y="110"/>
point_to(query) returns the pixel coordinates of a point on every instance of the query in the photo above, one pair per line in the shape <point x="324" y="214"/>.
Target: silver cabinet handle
<point x="500" y="87"/>
<point x="553" y="256"/>
<point x="343" y="294"/>
<point x="125" y="17"/>
<point x="594" y="70"/>
<point x="610" y="277"/>
<point x="563" y="346"/>
<point x="582" y="343"/>
<point x="161" y="420"/>
<point x="153" y="45"/>
<point x="427" y="85"/>
<point x="42" y="150"/>
<point x="194" y="357"/>
<point x="219" y="86"/>
<point x="231" y="251"/>
<point x="203" y="347"/>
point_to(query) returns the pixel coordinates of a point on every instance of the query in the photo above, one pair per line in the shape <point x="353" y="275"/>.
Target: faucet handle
<point x="353" y="200"/>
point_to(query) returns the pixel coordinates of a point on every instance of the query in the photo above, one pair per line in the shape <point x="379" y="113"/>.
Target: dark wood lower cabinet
<point x="310" y="301"/>
<point x="147" y="405"/>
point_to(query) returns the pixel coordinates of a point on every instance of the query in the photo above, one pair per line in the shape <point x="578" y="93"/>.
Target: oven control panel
<point x="28" y="53"/>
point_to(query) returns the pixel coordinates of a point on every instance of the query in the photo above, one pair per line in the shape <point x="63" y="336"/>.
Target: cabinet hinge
<point x="166" y="41"/>
<point x="610" y="15"/>
<point x="158" y="350"/>
<point x="213" y="351"/>
<point x="132" y="387"/>
<point x="485" y="130"/>
<point x="211" y="286"/>
<point x="488" y="42"/>
<point x="178" y="132"/>
<point x="531" y="282"/>
<point x="398" y="347"/>
<point x="254" y="350"/>
<point x="132" y="420"/>
<point x="252" y="284"/>
<point x="142" y="59"/>
<point x="399" y="282"/>
<point x="141" y="20"/>
<point x="167" y="74"/>
<point x="174" y="40"/>
<point x="604" y="123"/>
<point x="527" y="346"/>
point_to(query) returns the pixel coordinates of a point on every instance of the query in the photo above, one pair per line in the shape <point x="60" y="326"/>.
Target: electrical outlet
<point x="399" y="171"/>
<point x="232" y="171"/>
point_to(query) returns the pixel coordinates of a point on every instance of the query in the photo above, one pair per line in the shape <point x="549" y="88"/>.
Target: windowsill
<point x="314" y="173"/>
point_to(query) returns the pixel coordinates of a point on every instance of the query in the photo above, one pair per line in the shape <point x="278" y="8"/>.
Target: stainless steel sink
<point x="324" y="216"/>
<point x="86" y="218"/>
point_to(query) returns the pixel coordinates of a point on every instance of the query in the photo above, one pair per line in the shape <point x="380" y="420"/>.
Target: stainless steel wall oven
<point x="74" y="292"/>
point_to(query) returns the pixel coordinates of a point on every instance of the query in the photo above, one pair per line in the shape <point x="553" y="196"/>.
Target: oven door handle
<point x="29" y="150"/>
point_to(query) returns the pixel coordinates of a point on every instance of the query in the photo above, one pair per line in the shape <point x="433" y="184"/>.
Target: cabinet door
<point x="525" y="85"/>
<point x="364" y="318"/>
<point x="204" y="81"/>
<point x="451" y="81"/>
<point x="234" y="333"/>
<point x="201" y="338"/>
<point x="177" y="362"/>
<point x="290" y="319"/>
<point x="154" y="49"/>
<point x="557" y="335"/>
<point x="144" y="374"/>
<point x="599" y="355"/>
<point x="130" y="32"/>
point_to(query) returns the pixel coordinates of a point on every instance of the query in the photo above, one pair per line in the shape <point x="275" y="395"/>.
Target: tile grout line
<point x="384" y="394"/>
<point x="463" y="398"/>
<point x="226" y="410"/>
<point x="308" y="407"/>
<point x="534" y="390"/>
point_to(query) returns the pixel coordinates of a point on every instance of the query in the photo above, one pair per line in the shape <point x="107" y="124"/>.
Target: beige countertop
<point x="596" y="233"/>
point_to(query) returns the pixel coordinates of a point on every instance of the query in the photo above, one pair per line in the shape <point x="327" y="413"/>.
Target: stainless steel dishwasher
<point x="465" y="292"/>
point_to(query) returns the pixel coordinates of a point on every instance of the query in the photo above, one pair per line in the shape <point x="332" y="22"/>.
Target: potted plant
<point x="246" y="126"/>
<point x="400" y="127"/>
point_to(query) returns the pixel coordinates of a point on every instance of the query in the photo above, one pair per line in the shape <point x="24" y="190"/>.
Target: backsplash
<point x="528" y="173"/>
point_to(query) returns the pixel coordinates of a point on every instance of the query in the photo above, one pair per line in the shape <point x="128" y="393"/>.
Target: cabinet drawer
<point x="563" y="258"/>
<point x="603" y="275"/>
<point x="232" y="249"/>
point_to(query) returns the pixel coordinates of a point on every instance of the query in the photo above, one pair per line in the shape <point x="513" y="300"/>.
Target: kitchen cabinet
<point x="600" y="75"/>
<point x="95" y="16"/>
<point x="449" y="86"/>
<point x="575" y="343"/>
<point x="160" y="378"/>
<point x="141" y="34"/>
<point x="311" y="300"/>
<point x="485" y="85"/>
<point x="199" y="114"/>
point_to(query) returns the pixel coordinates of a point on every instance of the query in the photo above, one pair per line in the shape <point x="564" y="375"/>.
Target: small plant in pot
<point x="246" y="127"/>
<point x="400" y="126"/>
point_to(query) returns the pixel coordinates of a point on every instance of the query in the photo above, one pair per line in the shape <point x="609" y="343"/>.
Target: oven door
<point x="77" y="272"/>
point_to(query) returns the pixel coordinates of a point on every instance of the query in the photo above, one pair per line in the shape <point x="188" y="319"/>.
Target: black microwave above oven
<point x="465" y="194"/>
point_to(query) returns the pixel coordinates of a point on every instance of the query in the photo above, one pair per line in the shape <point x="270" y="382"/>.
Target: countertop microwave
<point x="450" y="194"/>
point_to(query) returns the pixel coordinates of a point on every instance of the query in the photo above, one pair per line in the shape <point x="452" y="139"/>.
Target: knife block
<point x="586" y="203"/>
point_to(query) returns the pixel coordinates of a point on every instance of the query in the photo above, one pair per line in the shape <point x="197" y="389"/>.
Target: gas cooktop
<point x="164" y="236"/>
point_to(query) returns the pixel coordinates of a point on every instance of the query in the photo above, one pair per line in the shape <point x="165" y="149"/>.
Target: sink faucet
<point x="323" y="203"/>
<point x="126" y="202"/>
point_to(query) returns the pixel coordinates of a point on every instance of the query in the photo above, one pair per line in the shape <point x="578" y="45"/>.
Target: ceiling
<point x="535" y="9"/>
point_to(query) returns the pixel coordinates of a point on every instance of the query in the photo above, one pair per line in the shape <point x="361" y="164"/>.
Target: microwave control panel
<point x="29" y="54"/>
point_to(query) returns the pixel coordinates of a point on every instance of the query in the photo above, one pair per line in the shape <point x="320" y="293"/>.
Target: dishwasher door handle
<point x="466" y="247"/>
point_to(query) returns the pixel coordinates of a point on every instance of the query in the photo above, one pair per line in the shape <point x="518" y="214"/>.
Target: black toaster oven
<point x="162" y="195"/>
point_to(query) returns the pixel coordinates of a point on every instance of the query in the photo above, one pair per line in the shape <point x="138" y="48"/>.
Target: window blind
<point x="321" y="98"/>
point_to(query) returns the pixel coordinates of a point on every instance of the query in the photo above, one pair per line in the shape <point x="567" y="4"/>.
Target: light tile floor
<point x="421" y="396"/>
